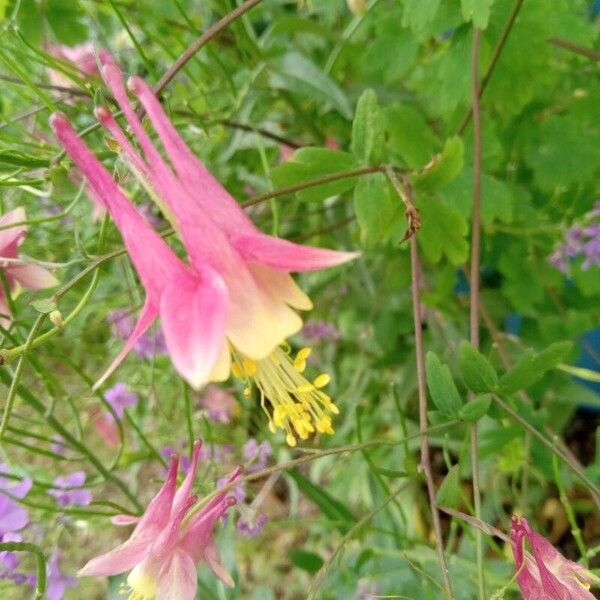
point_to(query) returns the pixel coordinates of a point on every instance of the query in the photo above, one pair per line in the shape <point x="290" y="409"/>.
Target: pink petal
<point x="209" y="193"/>
<point x="121" y="559"/>
<point x="146" y="318"/>
<point x="32" y="277"/>
<point x="11" y="238"/>
<point x="194" y="313"/>
<point x="211" y="556"/>
<point x="185" y="489"/>
<point x="122" y="520"/>
<point x="287" y="256"/>
<point x="178" y="579"/>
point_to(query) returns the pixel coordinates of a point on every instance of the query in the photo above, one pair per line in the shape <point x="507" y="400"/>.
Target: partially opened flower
<point x="546" y="574"/>
<point x="168" y="542"/>
<point x="255" y="267"/>
<point x="192" y="303"/>
<point x="18" y="273"/>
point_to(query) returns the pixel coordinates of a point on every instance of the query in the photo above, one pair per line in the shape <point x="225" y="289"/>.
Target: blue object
<point x="596" y="8"/>
<point x="589" y="343"/>
<point x="512" y="323"/>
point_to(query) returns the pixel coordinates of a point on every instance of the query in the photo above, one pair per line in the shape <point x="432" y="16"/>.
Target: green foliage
<point x="478" y="374"/>
<point x="367" y="130"/>
<point x="441" y="386"/>
<point x="449" y="493"/>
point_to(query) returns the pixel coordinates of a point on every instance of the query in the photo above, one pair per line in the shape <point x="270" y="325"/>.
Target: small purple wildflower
<point x="13" y="517"/>
<point x="184" y="459"/>
<point x="580" y="240"/>
<point x="258" y="453"/>
<point x="320" y="330"/>
<point x="219" y="403"/>
<point x="150" y="344"/>
<point x="58" y="445"/>
<point x="119" y="397"/>
<point x="57" y="581"/>
<point x="252" y="527"/>
<point x="65" y="496"/>
<point x="238" y="492"/>
<point x="147" y="210"/>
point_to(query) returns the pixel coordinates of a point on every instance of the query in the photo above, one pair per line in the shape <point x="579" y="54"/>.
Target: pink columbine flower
<point x="548" y="575"/>
<point x="254" y="267"/>
<point x="82" y="56"/>
<point x="192" y="304"/>
<point x="18" y="274"/>
<point x="168" y="542"/>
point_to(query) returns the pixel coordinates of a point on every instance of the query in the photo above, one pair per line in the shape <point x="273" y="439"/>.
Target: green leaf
<point x="311" y="163"/>
<point x="419" y="13"/>
<point x="333" y="509"/>
<point x="294" y="72"/>
<point x="367" y="130"/>
<point x="22" y="159"/>
<point x="441" y="386"/>
<point x="531" y="367"/>
<point x="474" y="409"/>
<point x="45" y="305"/>
<point x="65" y="19"/>
<point x="477" y="11"/>
<point x="377" y="210"/>
<point x="449" y="493"/>
<point x="409" y="135"/>
<point x="478" y="374"/>
<point x="443" y="232"/>
<point x="442" y="168"/>
<point x="307" y="561"/>
<point x="3" y="5"/>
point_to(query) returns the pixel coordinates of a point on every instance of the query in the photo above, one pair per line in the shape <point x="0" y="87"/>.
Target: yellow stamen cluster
<point x="138" y="587"/>
<point x="298" y="406"/>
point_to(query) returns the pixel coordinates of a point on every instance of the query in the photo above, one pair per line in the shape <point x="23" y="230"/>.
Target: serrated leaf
<point x="449" y="493"/>
<point x="377" y="210"/>
<point x="478" y="374"/>
<point x="477" y="11"/>
<point x="531" y="367"/>
<point x="409" y="135"/>
<point x="332" y="508"/>
<point x="442" y="168"/>
<point x="367" y="130"/>
<point x="419" y="13"/>
<point x="45" y="305"/>
<point x="311" y="163"/>
<point x="307" y="561"/>
<point x="474" y="409"/>
<point x="442" y="232"/>
<point x="441" y="386"/>
<point x="296" y="73"/>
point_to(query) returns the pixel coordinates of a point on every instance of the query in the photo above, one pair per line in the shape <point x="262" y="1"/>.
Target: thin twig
<point x="313" y="182"/>
<point x="405" y="192"/>
<point x="208" y="35"/>
<point x="327" y="229"/>
<point x="493" y="61"/>
<point x="72" y="91"/>
<point x="264" y="132"/>
<point x="576" y="48"/>
<point x="474" y="289"/>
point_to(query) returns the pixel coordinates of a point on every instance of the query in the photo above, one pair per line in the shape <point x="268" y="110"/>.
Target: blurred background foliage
<point x="290" y="92"/>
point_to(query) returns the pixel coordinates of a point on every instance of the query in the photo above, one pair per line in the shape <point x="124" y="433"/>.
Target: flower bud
<point x="56" y="318"/>
<point x="357" y="7"/>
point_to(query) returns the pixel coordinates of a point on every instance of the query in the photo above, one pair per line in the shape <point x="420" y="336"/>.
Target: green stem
<point x="40" y="584"/>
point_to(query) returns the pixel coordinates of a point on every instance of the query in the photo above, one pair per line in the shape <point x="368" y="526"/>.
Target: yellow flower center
<point x="297" y="406"/>
<point x="140" y="585"/>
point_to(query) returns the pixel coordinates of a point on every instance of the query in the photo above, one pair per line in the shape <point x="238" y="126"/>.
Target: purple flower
<point x="148" y="213"/>
<point x="149" y="344"/>
<point x="57" y="581"/>
<point x="220" y="404"/>
<point x="58" y="445"/>
<point x="184" y="460"/>
<point x="13" y="517"/>
<point x="258" y="453"/>
<point x="320" y="330"/>
<point x="119" y="397"/>
<point x="238" y="492"/>
<point x="252" y="527"/>
<point x="65" y="494"/>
